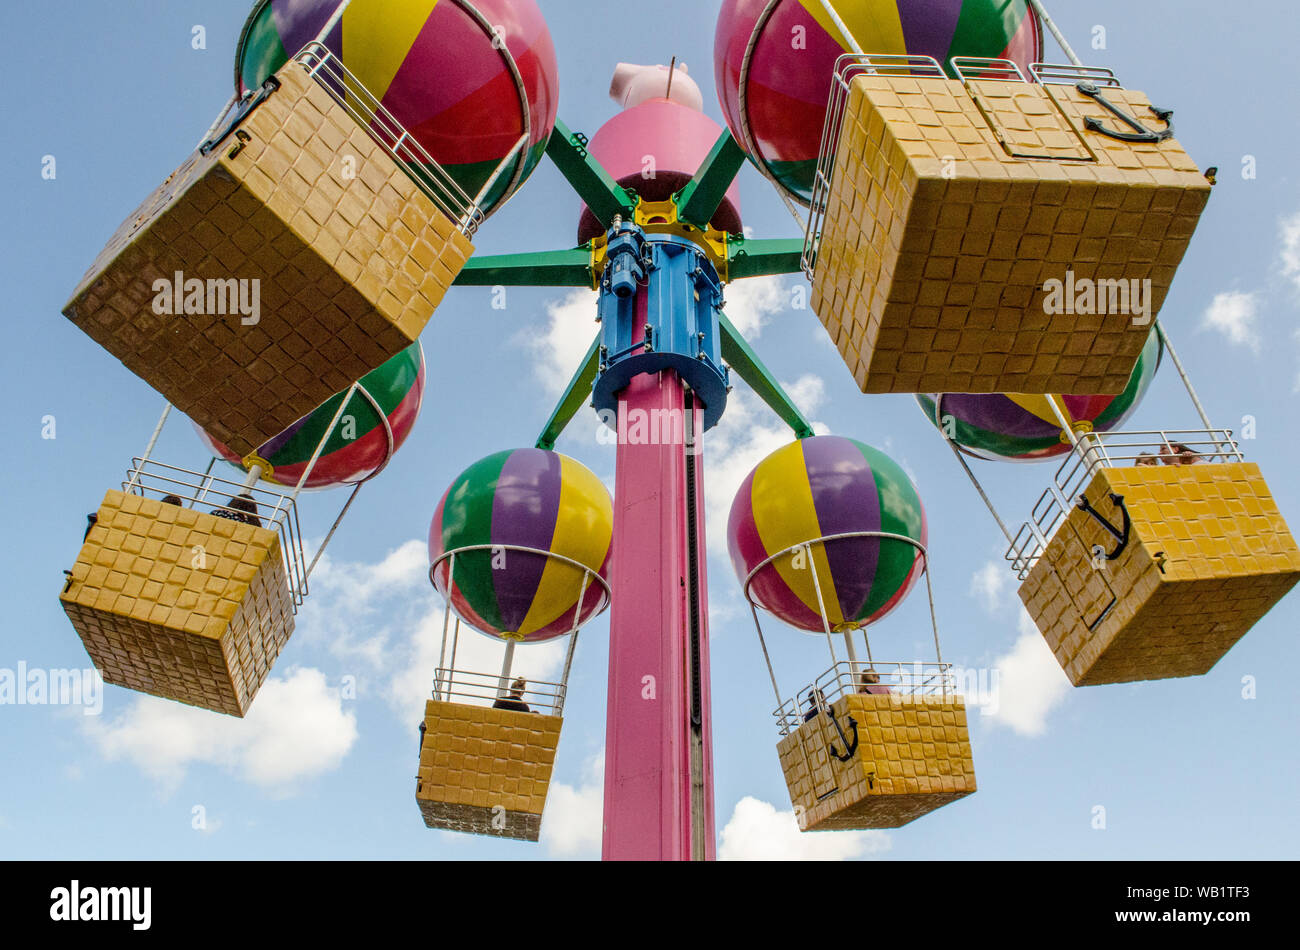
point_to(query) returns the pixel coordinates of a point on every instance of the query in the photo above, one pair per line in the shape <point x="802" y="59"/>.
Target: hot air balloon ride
<point x="980" y="227"/>
<point x="1137" y="532"/>
<point x="933" y="241"/>
<point x="829" y="535"/>
<point x="329" y="208"/>
<point x="208" y="571"/>
<point x="519" y="550"/>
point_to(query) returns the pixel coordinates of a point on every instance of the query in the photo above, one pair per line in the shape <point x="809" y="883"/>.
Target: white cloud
<point x="355" y="610"/>
<point x="1234" y="314"/>
<point x="752" y="301"/>
<point x="559" y="349"/>
<point x="573" y="824"/>
<point x="758" y="832"/>
<point x="988" y="584"/>
<point x="1289" y="252"/>
<point x="297" y="729"/>
<point x="1030" y="683"/>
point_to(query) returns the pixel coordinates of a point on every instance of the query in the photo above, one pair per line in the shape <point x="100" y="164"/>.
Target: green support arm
<point x="601" y="193"/>
<point x="540" y="269"/>
<point x="760" y="258"/>
<point x="698" y="202"/>
<point x="743" y="360"/>
<point x="574" y="398"/>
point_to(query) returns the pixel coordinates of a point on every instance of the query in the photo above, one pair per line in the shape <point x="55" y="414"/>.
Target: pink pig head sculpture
<point x="633" y="85"/>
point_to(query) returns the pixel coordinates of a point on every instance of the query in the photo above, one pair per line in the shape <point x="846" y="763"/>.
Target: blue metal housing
<point x="660" y="298"/>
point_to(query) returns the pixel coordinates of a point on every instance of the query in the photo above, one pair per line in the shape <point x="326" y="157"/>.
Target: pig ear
<point x="623" y="75"/>
<point x="683" y="68"/>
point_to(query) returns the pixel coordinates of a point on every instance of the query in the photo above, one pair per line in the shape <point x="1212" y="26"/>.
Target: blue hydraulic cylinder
<point x="660" y="298"/>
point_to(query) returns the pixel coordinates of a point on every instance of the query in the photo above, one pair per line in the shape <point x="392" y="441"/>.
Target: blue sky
<point x="1183" y="769"/>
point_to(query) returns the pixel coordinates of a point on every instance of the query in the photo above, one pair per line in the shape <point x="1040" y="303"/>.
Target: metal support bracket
<point x="594" y="185"/>
<point x="699" y="200"/>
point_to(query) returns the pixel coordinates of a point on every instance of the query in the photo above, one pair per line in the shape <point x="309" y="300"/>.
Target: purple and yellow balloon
<point x="361" y="444"/>
<point x="1010" y="427"/>
<point x="785" y="52"/>
<point x="466" y="78"/>
<point x="818" y="488"/>
<point x="524" y="498"/>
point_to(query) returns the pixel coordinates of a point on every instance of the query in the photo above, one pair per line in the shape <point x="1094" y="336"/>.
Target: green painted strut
<point x="760" y="258"/>
<point x="538" y="269"/>
<point x="698" y="202"/>
<point x="601" y="193"/>
<point x="741" y="358"/>
<point x="575" y="397"/>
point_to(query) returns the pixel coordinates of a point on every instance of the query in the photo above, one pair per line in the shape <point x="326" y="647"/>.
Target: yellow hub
<point x="660" y="217"/>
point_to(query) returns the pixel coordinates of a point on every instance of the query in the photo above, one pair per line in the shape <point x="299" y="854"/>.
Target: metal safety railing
<point x="1059" y="74"/>
<point x="967" y="68"/>
<point x="371" y="115"/>
<point x="1097" y="450"/>
<point x="488" y="689"/>
<point x="220" y="496"/>
<point x="909" y="683"/>
<point x="847" y="68"/>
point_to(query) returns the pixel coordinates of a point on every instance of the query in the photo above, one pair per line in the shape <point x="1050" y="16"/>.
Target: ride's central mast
<point x="660" y="366"/>
<point x="658" y="745"/>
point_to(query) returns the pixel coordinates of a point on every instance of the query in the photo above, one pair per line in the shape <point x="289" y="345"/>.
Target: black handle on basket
<point x="242" y="112"/>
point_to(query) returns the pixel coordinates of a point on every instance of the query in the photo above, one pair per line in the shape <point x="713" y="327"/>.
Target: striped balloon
<point x="817" y="488"/>
<point x="1019" y="428"/>
<point x="794" y="53"/>
<point x="433" y="64"/>
<point x="532" y="499"/>
<point x="359" y="445"/>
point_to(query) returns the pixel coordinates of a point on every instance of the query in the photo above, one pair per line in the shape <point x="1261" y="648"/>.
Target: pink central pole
<point x="658" y="744"/>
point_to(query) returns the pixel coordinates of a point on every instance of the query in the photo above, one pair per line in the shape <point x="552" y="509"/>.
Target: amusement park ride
<point x="945" y="179"/>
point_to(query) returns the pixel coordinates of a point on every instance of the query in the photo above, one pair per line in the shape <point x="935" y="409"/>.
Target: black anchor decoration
<point x="1140" y="132"/>
<point x="1120" y="534"/>
<point x="851" y="747"/>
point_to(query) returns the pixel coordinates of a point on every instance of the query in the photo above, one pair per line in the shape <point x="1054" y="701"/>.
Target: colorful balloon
<point x="440" y="68"/>
<point x="359" y="445"/>
<point x="528" y="498"/>
<point x="816" y="488"/>
<point x="793" y="60"/>
<point x="1020" y="428"/>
